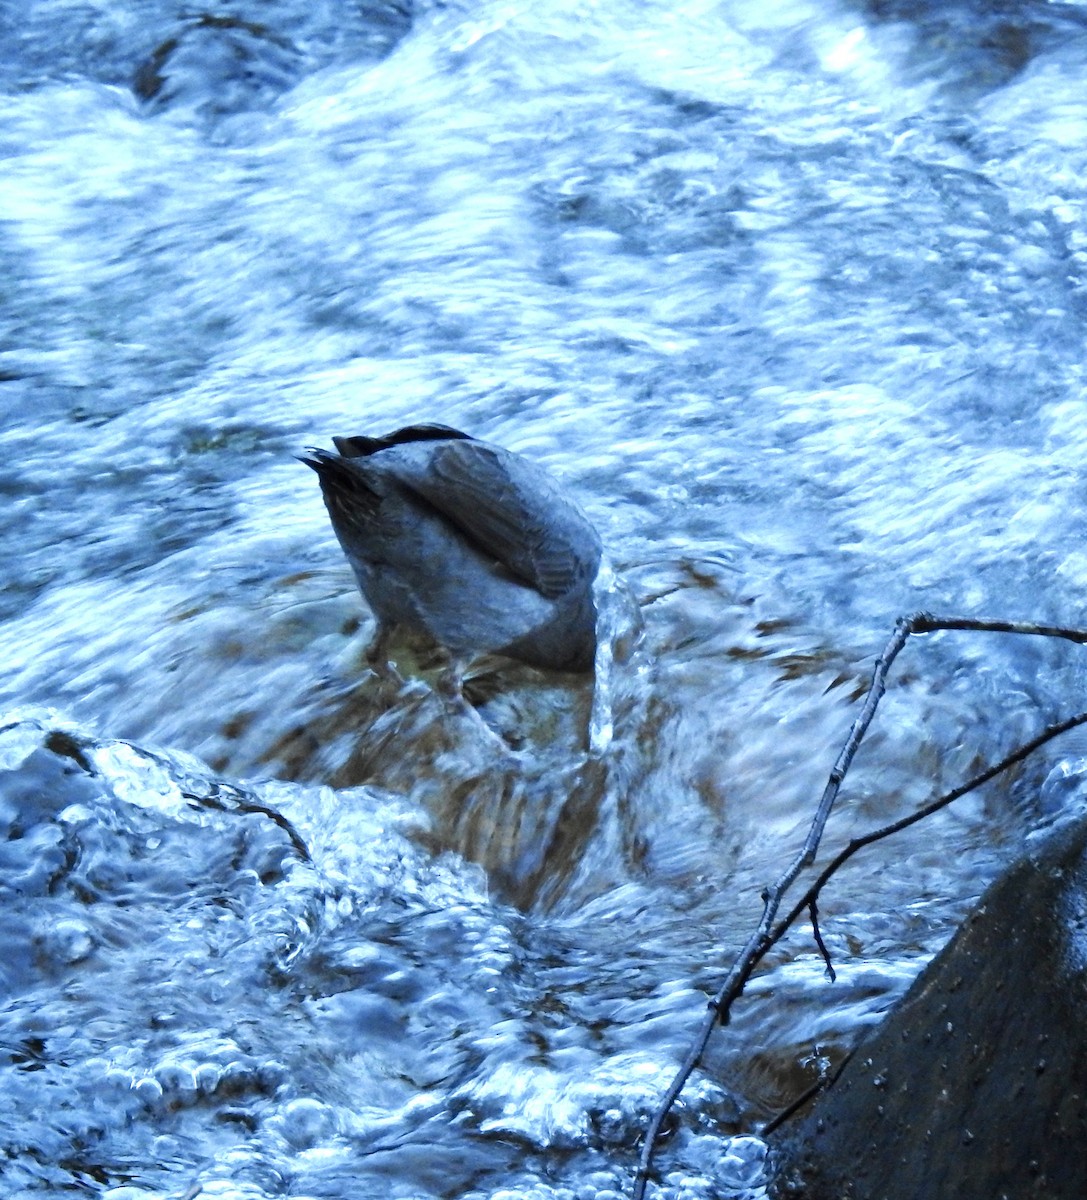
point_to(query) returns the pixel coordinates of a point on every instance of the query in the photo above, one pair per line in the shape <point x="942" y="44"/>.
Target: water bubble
<point x="306" y="1122"/>
<point x="68" y="941"/>
<point x="149" y="1090"/>
<point x="207" y="1076"/>
<point x="743" y="1165"/>
<point x="178" y="1081"/>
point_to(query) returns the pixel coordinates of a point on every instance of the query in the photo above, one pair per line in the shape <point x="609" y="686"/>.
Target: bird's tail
<point x="348" y="495"/>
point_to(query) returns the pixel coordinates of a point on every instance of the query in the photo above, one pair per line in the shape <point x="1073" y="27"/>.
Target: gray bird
<point x="464" y="541"/>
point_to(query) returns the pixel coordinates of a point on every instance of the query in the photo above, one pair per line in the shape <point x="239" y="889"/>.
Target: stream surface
<point x="790" y="296"/>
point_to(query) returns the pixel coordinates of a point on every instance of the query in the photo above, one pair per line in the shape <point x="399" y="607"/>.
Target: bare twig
<point x="923" y="622"/>
<point x="820" y="1085"/>
<point x="767" y="933"/>
<point x="876" y="835"/>
<point x="813" y="912"/>
<point x="222" y="796"/>
<point x="811" y="896"/>
<point x="227" y="798"/>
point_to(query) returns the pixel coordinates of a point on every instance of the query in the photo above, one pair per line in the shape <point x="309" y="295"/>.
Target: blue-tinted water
<point x="791" y="297"/>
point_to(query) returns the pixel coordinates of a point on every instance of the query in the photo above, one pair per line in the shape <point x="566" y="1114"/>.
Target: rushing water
<point x="791" y="296"/>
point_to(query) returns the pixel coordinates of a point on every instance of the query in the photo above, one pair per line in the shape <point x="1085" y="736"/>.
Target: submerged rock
<point x="976" y="1084"/>
<point x="221" y="64"/>
<point x="218" y="65"/>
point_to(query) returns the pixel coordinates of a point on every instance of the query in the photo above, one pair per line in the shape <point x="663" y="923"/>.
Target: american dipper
<point x="465" y="541"/>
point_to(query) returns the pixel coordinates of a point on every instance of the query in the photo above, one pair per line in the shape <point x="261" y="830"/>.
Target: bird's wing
<point x="513" y="512"/>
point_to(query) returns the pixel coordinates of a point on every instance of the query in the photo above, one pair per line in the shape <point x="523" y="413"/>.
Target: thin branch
<point x="813" y="912"/>
<point x="222" y="796"/>
<point x="827" y="1078"/>
<point x="766" y="933"/>
<point x="809" y="1093"/>
<point x="923" y="622"/>
<point x="876" y="835"/>
<point x="811" y="896"/>
<point x="758" y="943"/>
<point x="227" y="798"/>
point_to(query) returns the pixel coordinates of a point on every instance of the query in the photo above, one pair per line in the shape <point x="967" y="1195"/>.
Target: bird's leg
<point x="377" y="654"/>
<point x="450" y="685"/>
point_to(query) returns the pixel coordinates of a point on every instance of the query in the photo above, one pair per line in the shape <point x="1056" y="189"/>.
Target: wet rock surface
<point x="976" y="1085"/>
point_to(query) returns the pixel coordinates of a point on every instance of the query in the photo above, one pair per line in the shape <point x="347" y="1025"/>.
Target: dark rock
<point x="975" y="1087"/>
<point x="218" y="65"/>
